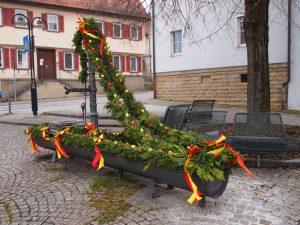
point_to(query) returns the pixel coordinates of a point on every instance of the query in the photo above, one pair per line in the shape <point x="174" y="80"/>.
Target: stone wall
<point x="222" y="84"/>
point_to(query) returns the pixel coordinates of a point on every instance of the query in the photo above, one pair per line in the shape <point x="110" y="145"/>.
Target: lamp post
<point x="23" y="20"/>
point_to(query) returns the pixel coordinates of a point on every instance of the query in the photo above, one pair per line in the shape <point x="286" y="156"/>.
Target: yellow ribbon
<point x="196" y="194"/>
<point x="217" y="143"/>
<point x="59" y="150"/>
<point x="44" y="131"/>
<point x="98" y="140"/>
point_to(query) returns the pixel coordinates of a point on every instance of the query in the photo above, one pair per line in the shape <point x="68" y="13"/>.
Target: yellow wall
<point x="13" y="37"/>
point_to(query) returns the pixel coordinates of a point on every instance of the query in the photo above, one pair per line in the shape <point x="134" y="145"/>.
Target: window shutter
<point x="61" y="60"/>
<point x="139" y="64"/>
<point x="140" y="33"/>
<point x="76" y="61"/>
<point x="126" y="31"/>
<point x="44" y="16"/>
<point x="6" y="57"/>
<point x="7" y="16"/>
<point x="108" y="29"/>
<point x="127" y="63"/>
<point x="13" y="58"/>
<point x="123" y="63"/>
<point x="61" y="25"/>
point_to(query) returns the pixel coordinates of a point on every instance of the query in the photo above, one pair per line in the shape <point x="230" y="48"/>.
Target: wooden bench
<point x="258" y="133"/>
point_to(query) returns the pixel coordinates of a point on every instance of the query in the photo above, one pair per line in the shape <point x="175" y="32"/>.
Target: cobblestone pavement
<point x="34" y="193"/>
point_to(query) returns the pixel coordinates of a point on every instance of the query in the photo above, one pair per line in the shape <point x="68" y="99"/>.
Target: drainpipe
<point x="285" y="84"/>
<point x="153" y="49"/>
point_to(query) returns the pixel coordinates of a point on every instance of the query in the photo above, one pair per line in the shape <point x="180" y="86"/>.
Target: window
<point x="241" y="41"/>
<point x="52" y="22"/>
<point x="117" y="30"/>
<point x="176" y="42"/>
<point x="22" y="59"/>
<point x="1" y="58"/>
<point x="1" y="23"/>
<point x="133" y="32"/>
<point x="100" y="25"/>
<point x="20" y="20"/>
<point x="69" y="64"/>
<point x="133" y="64"/>
<point x="117" y="62"/>
<point x="243" y="78"/>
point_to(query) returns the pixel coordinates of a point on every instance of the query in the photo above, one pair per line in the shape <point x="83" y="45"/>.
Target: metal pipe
<point x="93" y="97"/>
<point x="153" y="48"/>
<point x="284" y="85"/>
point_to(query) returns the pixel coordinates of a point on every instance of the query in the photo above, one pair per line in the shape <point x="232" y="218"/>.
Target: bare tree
<point x="220" y="12"/>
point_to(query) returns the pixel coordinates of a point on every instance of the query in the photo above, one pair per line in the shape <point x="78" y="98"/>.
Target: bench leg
<point x="201" y="204"/>
<point x="153" y="191"/>
<point x="258" y="161"/>
<point x="54" y="157"/>
<point x="121" y="174"/>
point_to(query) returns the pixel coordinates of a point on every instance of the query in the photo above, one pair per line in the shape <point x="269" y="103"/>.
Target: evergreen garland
<point x="144" y="138"/>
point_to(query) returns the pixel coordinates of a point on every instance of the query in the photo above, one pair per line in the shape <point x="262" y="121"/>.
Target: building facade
<point x="209" y="61"/>
<point x="55" y="58"/>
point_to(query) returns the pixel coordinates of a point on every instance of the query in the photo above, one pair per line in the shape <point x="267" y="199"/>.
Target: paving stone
<point x="33" y="199"/>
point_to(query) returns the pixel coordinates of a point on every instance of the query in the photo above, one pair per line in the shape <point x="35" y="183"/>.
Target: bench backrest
<point x="176" y="115"/>
<point x="205" y="104"/>
<point x="201" y="121"/>
<point x="258" y="125"/>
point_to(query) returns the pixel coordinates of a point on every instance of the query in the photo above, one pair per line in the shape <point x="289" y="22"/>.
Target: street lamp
<point x="24" y="21"/>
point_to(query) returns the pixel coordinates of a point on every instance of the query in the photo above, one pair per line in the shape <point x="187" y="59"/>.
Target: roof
<point x="131" y="8"/>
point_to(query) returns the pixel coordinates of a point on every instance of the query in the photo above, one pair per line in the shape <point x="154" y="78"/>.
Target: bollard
<point x="83" y="112"/>
<point x="9" y="103"/>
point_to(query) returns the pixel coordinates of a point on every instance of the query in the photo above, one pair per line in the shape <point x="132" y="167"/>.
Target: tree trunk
<point x="257" y="40"/>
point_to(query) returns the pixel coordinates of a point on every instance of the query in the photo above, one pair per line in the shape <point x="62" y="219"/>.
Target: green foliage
<point x="144" y="138"/>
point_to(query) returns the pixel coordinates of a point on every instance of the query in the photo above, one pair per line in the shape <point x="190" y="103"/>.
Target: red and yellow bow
<point x="196" y="196"/>
<point x="90" y="128"/>
<point x="98" y="161"/>
<point x="34" y="148"/>
<point x="59" y="149"/>
<point x="45" y="131"/>
<point x="83" y="30"/>
<point x="220" y="146"/>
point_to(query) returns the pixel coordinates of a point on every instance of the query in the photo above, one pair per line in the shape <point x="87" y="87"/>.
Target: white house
<point x="209" y="61"/>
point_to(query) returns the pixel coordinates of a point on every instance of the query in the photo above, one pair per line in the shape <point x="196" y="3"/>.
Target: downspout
<point x="285" y="84"/>
<point x="153" y="50"/>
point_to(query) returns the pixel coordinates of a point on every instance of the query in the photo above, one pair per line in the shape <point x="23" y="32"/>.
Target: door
<point x="46" y="64"/>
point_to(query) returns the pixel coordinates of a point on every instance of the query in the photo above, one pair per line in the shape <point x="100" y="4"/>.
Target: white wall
<point x="220" y="50"/>
<point x="294" y="86"/>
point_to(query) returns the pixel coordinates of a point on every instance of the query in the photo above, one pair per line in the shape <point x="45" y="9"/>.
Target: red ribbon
<point x="239" y="160"/>
<point x="98" y="160"/>
<point x="33" y="144"/>
<point x="196" y="196"/>
<point x="59" y="149"/>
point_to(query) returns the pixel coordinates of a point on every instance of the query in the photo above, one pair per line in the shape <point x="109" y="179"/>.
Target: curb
<point x="272" y="163"/>
<point x="74" y="115"/>
<point x="18" y="123"/>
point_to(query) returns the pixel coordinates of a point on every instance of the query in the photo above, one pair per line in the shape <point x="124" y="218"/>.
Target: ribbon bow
<point x="216" y="152"/>
<point x="44" y="131"/>
<point x="196" y="194"/>
<point x="98" y="160"/>
<point x="219" y="144"/>
<point x="90" y="128"/>
<point x="83" y="30"/>
<point x="32" y="143"/>
<point x="59" y="149"/>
